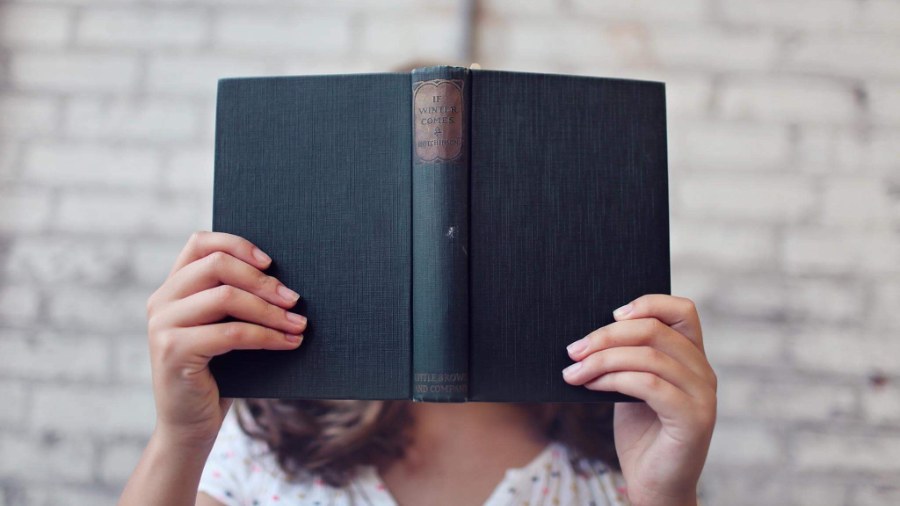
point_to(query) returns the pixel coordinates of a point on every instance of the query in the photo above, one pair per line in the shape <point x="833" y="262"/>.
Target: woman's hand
<point x="654" y="351"/>
<point x="216" y="276"/>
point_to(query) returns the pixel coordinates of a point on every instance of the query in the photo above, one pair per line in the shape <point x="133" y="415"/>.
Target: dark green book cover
<point x="449" y="230"/>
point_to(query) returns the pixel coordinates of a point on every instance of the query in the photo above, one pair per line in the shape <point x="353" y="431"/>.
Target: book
<point x="449" y="230"/>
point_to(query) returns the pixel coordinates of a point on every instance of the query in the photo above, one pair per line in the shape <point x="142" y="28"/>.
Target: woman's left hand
<point x="654" y="351"/>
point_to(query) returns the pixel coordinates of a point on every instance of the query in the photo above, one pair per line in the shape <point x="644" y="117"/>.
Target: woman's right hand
<point x="216" y="275"/>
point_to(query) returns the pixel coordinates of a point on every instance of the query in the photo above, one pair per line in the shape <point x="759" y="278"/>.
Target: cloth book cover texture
<point x="449" y="230"/>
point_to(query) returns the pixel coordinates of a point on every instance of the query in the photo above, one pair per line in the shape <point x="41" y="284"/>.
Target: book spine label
<point x="440" y="234"/>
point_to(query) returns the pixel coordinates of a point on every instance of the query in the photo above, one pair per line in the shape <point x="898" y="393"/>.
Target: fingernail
<point x="260" y="256"/>
<point x="623" y="311"/>
<point x="296" y="318"/>
<point x="294" y="338"/>
<point x="287" y="294"/>
<point x="572" y="368"/>
<point x="577" y="347"/>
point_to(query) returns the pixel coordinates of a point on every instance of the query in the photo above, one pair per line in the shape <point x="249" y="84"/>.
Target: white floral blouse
<point x="240" y="472"/>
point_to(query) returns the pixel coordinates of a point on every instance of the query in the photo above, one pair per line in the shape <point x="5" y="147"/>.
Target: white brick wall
<point x="784" y="148"/>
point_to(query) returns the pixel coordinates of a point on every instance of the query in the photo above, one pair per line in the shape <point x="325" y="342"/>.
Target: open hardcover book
<point x="449" y="230"/>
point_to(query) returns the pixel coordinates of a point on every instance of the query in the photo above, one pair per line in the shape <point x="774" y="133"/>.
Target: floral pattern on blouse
<point x="241" y="472"/>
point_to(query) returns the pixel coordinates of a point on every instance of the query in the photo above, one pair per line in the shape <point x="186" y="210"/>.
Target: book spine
<point x="440" y="234"/>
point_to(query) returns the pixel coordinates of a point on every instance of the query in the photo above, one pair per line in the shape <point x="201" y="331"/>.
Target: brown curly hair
<point x="331" y="438"/>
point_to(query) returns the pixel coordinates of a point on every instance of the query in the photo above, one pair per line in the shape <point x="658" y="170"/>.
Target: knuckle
<point x="217" y="261"/>
<point x="196" y="237"/>
<point x="163" y="345"/>
<point x="653" y="356"/>
<point x="151" y="304"/>
<point x="599" y="339"/>
<point x="235" y="333"/>
<point x="652" y="326"/>
<point x="651" y="382"/>
<point x="224" y="294"/>
<point x="266" y="282"/>
<point x="689" y="305"/>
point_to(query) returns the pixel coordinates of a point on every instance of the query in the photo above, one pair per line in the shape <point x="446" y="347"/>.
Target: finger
<point x="677" y="312"/>
<point x="636" y="358"/>
<point x="662" y="397"/>
<point x="203" y="243"/>
<point x="220" y="268"/>
<point x="643" y="332"/>
<point x="210" y="340"/>
<point x="211" y="306"/>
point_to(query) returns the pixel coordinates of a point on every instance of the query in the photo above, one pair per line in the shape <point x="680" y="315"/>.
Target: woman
<point x="349" y="452"/>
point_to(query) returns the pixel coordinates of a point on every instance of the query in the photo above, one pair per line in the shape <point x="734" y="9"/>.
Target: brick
<point x="803" y="15"/>
<point x="758" y="297"/>
<point x="123" y="213"/>
<point x="686" y="95"/>
<point x="73" y="72"/>
<point x="155" y="120"/>
<point x="24" y="210"/>
<point x="191" y="169"/>
<point x="737" y="246"/>
<point x="54" y="357"/>
<point x="840" y="251"/>
<point x="815" y="151"/>
<point x="876" y="151"/>
<point x="729" y="146"/>
<point x="788" y="100"/>
<point x="48" y="459"/>
<point x="190" y="73"/>
<point x="71" y="410"/>
<point x="846" y="55"/>
<point x="741" y="445"/>
<point x="744" y="344"/>
<point x="749" y="398"/>
<point x="695" y="283"/>
<point x="771" y="198"/>
<point x="9" y="158"/>
<point x="61" y="260"/>
<point x="885" y="302"/>
<point x="69" y="495"/>
<point x="412" y="37"/>
<point x="876" y="496"/>
<point x="99" y="309"/>
<point x="153" y="260"/>
<point x="884" y="103"/>
<point x="242" y="30"/>
<point x="692" y="48"/>
<point x="880" y="16"/>
<point x="524" y="7"/>
<point x="18" y="25"/>
<point x="91" y="164"/>
<point x="131" y="361"/>
<point x="18" y="303"/>
<point x="551" y="40"/>
<point x="691" y="11"/>
<point x="141" y="27"/>
<point x="27" y="116"/>
<point x="881" y="404"/>
<point x="850" y="350"/>
<point x="857" y="201"/>
<point x="118" y="462"/>
<point x="15" y="403"/>
<point x="818" y="299"/>
<point x="832" y="493"/>
<point x="718" y="486"/>
<point x="851" y="452"/>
